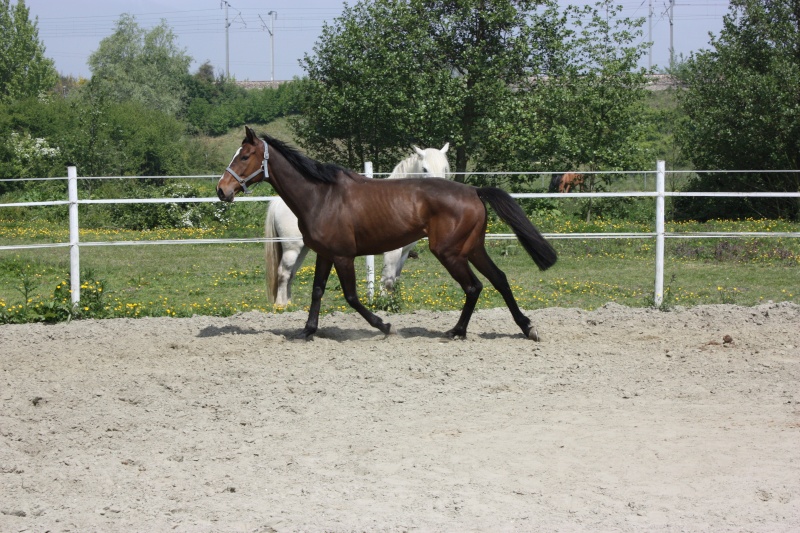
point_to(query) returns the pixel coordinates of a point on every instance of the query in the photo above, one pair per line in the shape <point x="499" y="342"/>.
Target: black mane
<point x="310" y="168"/>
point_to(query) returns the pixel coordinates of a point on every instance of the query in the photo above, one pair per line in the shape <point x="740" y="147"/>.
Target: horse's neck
<point x="407" y="168"/>
<point x="297" y="191"/>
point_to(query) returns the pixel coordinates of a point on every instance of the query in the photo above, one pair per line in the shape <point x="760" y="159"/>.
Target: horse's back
<point x="415" y="191"/>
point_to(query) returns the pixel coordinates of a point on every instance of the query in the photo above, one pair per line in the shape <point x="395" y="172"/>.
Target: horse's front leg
<point x="322" y="271"/>
<point x="347" y="277"/>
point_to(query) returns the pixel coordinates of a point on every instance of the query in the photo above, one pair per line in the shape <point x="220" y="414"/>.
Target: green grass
<point x="206" y="279"/>
<point x="182" y="280"/>
<point x="224" y="146"/>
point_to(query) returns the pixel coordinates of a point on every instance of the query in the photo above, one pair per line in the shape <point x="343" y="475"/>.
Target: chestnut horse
<point x="565" y="182"/>
<point x="342" y="214"/>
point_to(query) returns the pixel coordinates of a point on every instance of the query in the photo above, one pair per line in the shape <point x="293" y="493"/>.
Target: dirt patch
<point x="620" y="419"/>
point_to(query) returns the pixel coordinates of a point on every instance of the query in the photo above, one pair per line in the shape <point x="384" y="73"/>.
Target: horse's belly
<point x="377" y="242"/>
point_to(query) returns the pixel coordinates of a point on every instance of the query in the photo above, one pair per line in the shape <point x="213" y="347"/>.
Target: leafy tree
<point x="140" y="65"/>
<point x="599" y="105"/>
<point x="103" y="139"/>
<point x="506" y="82"/>
<point x="391" y="73"/>
<point x="214" y="105"/>
<point x="743" y="111"/>
<point x="372" y="88"/>
<point x="24" y="70"/>
<point x="586" y="109"/>
<point x="492" y="47"/>
<point x="588" y="104"/>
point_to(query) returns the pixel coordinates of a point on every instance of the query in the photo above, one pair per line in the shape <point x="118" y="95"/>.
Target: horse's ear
<point x="420" y="151"/>
<point x="250" y="135"/>
<point x="445" y="148"/>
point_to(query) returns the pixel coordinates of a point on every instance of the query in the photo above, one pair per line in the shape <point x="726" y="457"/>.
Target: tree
<point x="743" y="111"/>
<point x="586" y="108"/>
<point x="371" y="90"/>
<point x="387" y="74"/>
<point x="590" y="99"/>
<point x="491" y="48"/>
<point x="140" y="65"/>
<point x="507" y="82"/>
<point x="24" y="70"/>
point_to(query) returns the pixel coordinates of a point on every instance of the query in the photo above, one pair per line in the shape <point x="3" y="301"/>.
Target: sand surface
<point x="619" y="420"/>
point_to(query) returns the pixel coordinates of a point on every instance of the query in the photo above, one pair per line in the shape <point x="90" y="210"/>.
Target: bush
<point x="710" y="208"/>
<point x="152" y="216"/>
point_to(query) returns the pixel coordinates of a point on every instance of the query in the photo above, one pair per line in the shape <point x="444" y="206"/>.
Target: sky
<point x="72" y="29"/>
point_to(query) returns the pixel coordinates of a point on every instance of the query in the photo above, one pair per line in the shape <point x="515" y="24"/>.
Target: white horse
<point x="284" y="256"/>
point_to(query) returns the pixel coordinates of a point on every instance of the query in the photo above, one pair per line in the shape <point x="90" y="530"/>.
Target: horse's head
<point x="432" y="162"/>
<point x="248" y="167"/>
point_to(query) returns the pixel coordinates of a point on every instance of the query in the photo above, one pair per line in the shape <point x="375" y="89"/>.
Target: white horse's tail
<point x="273" y="252"/>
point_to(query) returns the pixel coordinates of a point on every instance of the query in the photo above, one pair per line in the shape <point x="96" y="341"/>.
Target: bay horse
<point x="285" y="256"/>
<point x="342" y="214"/>
<point x="565" y="182"/>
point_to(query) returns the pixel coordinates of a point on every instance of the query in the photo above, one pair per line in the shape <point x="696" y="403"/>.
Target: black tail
<point x="509" y="210"/>
<point x="555" y="181"/>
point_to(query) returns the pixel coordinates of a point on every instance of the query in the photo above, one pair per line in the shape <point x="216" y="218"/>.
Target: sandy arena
<point x="619" y="420"/>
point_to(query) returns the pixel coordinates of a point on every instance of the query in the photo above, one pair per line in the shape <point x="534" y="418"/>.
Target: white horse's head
<point x="427" y="163"/>
<point x="432" y="162"/>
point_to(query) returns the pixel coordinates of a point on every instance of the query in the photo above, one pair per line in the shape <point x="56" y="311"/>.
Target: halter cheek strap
<point x="244" y="181"/>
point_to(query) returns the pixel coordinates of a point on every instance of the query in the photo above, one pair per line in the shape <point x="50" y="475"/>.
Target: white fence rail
<point x="660" y="194"/>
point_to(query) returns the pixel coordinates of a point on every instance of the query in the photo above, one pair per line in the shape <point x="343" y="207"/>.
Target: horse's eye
<point x="245" y="157"/>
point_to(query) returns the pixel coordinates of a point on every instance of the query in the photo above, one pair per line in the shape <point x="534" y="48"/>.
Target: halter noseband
<point x="244" y="181"/>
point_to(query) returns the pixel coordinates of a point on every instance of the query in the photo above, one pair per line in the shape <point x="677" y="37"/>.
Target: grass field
<point x="214" y="279"/>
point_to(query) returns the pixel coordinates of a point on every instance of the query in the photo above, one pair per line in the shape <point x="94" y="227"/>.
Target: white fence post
<point x="660" y="213"/>
<point x="74" y="236"/>
<point x="370" y="259"/>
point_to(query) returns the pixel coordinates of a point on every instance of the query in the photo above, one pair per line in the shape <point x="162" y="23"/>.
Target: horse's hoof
<point x="533" y="334"/>
<point x="392" y="330"/>
<point x="453" y="334"/>
<point x="304" y="336"/>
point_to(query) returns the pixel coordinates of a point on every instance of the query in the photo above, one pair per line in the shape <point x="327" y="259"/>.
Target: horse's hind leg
<point x="470" y="284"/>
<point x="293" y="255"/>
<point x="389" y="273"/>
<point x="347" y="277"/>
<point x="480" y="258"/>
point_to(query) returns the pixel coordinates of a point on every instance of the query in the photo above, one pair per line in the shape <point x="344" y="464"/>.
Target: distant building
<point x="657" y="82"/>
<point x="247" y="84"/>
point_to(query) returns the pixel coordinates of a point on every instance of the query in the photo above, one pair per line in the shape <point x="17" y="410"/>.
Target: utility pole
<point x="227" y="49"/>
<point x="271" y="29"/>
<point x="650" y="35"/>
<point x="671" y="25"/>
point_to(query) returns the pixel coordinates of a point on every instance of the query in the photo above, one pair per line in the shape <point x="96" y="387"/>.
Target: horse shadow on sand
<point x="340" y="334"/>
<point x="215" y="331"/>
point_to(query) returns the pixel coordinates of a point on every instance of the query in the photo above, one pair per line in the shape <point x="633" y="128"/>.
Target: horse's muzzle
<point x="225" y="197"/>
